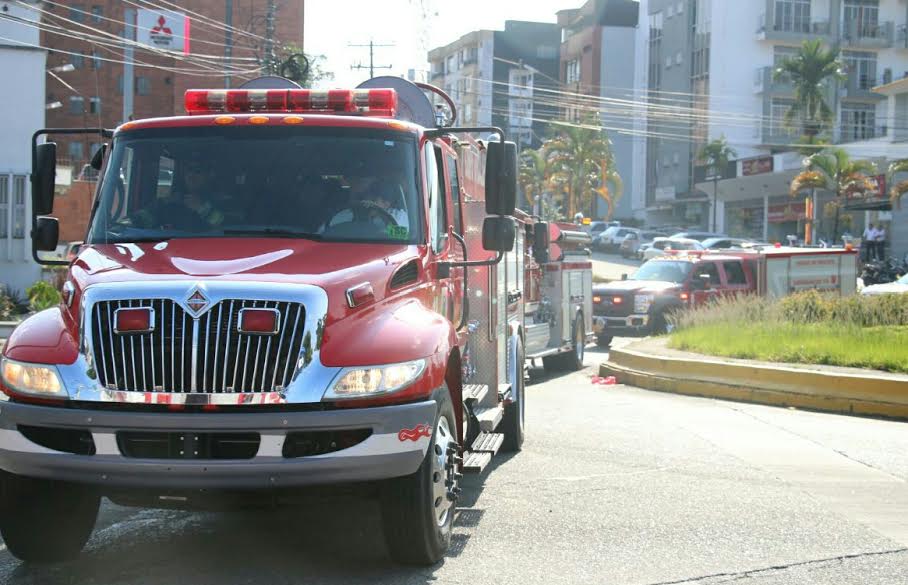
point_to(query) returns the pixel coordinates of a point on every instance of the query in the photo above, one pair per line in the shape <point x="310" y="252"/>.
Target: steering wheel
<point x="368" y="207"/>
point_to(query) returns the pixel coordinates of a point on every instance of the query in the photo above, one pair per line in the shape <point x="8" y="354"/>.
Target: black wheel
<point x="418" y="509"/>
<point x="512" y="424"/>
<point x="45" y="521"/>
<point x="572" y="360"/>
<point x="660" y="324"/>
<point x="604" y="340"/>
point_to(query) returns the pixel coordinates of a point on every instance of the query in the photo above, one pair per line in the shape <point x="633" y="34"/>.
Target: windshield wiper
<point x="274" y="232"/>
<point x="142" y="240"/>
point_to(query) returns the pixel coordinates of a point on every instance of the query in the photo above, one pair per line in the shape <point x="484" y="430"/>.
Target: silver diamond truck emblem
<point x="197" y="302"/>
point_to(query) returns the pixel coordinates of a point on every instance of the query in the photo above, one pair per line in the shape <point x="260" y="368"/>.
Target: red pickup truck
<point x="638" y="306"/>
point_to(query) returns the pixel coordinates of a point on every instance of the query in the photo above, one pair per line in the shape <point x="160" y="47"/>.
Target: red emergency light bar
<point x="369" y="102"/>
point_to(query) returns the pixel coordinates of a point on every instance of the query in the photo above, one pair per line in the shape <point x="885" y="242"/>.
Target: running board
<point x="489" y="417"/>
<point x="553" y="351"/>
<point x="488" y="443"/>
<point x="475" y="392"/>
<point x="475" y="462"/>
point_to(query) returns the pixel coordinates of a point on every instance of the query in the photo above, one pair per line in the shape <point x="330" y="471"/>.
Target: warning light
<point x="369" y="102"/>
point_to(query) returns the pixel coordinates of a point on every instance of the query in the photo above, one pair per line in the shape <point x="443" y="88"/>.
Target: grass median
<point x="861" y="332"/>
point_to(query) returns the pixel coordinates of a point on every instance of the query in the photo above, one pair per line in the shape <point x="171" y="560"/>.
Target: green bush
<point x="6" y="307"/>
<point x="42" y="295"/>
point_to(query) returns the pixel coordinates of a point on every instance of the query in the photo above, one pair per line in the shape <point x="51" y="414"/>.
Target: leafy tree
<point x="809" y="70"/>
<point x="716" y="154"/>
<point x="896" y="168"/>
<point x="533" y="174"/>
<point x="42" y="295"/>
<point x="581" y="157"/>
<point x="835" y="171"/>
<point x="303" y="68"/>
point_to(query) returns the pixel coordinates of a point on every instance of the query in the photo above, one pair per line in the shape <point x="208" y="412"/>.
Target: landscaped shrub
<point x="42" y="295"/>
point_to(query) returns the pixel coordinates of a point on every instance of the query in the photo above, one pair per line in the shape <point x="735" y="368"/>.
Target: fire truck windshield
<point x="664" y="271"/>
<point x="329" y="184"/>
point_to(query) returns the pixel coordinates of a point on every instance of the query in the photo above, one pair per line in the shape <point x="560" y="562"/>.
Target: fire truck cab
<point x="284" y="287"/>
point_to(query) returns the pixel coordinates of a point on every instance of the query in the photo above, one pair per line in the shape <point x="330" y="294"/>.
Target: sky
<point x="332" y="25"/>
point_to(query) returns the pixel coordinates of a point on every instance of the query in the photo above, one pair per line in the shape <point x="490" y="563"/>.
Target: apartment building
<point x="501" y="78"/>
<point x="718" y="58"/>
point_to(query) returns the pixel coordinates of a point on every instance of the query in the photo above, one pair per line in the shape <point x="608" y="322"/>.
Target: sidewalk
<point x="650" y="364"/>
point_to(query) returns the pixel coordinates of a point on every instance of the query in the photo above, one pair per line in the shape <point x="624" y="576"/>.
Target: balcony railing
<point x="765" y="82"/>
<point x="861" y="87"/>
<point x="858" y="132"/>
<point x="791" y="28"/>
<point x="874" y="35"/>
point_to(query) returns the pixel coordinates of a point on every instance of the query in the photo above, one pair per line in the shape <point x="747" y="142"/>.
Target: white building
<point x="22" y="65"/>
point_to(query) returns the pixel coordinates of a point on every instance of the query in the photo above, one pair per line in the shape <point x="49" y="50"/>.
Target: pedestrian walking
<point x="868" y="243"/>
<point x="880" y="243"/>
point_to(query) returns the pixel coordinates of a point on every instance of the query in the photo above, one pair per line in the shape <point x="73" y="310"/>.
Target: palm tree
<point x="898" y="189"/>
<point x="834" y="170"/>
<point x="611" y="185"/>
<point x="717" y="154"/>
<point x="577" y="153"/>
<point x="533" y="174"/>
<point x="808" y="71"/>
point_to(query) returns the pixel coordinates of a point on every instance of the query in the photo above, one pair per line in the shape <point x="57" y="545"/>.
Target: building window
<point x="671" y="11"/>
<point x="778" y="110"/>
<point x="858" y="122"/>
<point x="94" y="105"/>
<point x="680" y="7"/>
<point x="76" y="104"/>
<point x="862" y="18"/>
<point x="76" y="151"/>
<point x="792" y="16"/>
<point x="77" y="59"/>
<point x="861" y="68"/>
<point x="143" y="86"/>
<point x="4" y="206"/>
<point x="572" y="71"/>
<point x="678" y="58"/>
<point x="97" y="12"/>
<point x="668" y="62"/>
<point x="19" y="207"/>
<point x="77" y="12"/>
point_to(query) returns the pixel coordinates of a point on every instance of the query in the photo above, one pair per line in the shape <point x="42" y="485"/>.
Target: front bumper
<point x="631" y="326"/>
<point x="385" y="454"/>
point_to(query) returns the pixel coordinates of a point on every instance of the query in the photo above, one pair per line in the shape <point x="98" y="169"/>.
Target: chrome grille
<point x="207" y="354"/>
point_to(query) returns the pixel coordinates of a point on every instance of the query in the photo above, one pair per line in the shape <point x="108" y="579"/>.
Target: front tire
<point x="573" y="360"/>
<point x="604" y="340"/>
<point x="418" y="509"/>
<point x="44" y="521"/>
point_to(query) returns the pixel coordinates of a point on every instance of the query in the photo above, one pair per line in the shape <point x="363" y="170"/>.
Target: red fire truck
<point x="284" y="287"/>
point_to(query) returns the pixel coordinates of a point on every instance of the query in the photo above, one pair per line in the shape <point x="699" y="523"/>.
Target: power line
<point x="372" y="66"/>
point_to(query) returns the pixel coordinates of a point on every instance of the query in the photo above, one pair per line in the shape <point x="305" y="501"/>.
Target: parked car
<point x="699" y="236"/>
<point x="597" y="227"/>
<point x="634" y="240"/>
<point x="900" y="286"/>
<point x="662" y="245"/>
<point x="725" y="243"/>
<point x="610" y="240"/>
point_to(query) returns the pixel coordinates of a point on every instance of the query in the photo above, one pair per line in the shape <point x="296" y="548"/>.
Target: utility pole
<point x="372" y="66"/>
<point x="270" y="58"/>
<point x="129" y="33"/>
<point x="228" y="40"/>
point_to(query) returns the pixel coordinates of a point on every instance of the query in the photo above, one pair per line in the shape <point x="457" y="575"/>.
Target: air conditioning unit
<point x="887" y="76"/>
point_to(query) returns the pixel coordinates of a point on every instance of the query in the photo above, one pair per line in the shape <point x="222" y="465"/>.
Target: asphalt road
<point x="614" y="485"/>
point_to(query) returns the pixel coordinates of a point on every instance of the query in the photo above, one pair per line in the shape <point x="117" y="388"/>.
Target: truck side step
<point x="475" y="462"/>
<point x="489" y="417"/>
<point x="488" y="443"/>
<point x="475" y="392"/>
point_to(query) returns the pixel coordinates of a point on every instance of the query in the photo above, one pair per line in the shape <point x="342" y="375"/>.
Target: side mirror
<point x="98" y="158"/>
<point x="43" y="177"/>
<point x="701" y="282"/>
<point x="624" y="276"/>
<point x="46" y="235"/>
<point x="501" y="178"/>
<point x="541" y="241"/>
<point x="498" y="234"/>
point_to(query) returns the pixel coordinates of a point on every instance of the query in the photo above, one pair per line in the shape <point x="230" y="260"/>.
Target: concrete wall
<point x="23" y="113"/>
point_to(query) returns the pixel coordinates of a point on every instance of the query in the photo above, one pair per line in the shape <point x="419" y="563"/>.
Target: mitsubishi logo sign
<point x="163" y="29"/>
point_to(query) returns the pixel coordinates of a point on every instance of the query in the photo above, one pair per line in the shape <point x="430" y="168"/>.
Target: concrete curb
<point x="774" y="385"/>
<point x="6" y="328"/>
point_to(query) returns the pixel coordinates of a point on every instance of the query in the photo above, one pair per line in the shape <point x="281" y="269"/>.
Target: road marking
<point x="864" y="494"/>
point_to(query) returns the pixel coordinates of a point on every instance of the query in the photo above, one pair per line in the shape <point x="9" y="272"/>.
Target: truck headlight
<point x="369" y="381"/>
<point x="31" y="379"/>
<point x="642" y="303"/>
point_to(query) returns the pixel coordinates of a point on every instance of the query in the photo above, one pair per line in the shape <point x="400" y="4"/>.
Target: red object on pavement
<point x="608" y="381"/>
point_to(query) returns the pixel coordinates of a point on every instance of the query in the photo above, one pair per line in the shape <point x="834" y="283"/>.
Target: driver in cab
<point x="373" y="199"/>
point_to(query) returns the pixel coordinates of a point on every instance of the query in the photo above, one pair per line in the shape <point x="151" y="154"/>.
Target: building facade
<point x="721" y="77"/>
<point x="599" y="59"/>
<point x="502" y="78"/>
<point x="212" y="37"/>
<point x="23" y="64"/>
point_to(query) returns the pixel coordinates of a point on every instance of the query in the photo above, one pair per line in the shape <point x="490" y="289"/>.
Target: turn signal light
<point x="133" y="321"/>
<point x="258" y="321"/>
<point x="370" y="102"/>
<point x="617" y="300"/>
<point x="597" y="299"/>
<point x="685" y="296"/>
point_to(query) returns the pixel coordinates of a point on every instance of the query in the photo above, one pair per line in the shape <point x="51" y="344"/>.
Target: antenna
<point x="371" y="66"/>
